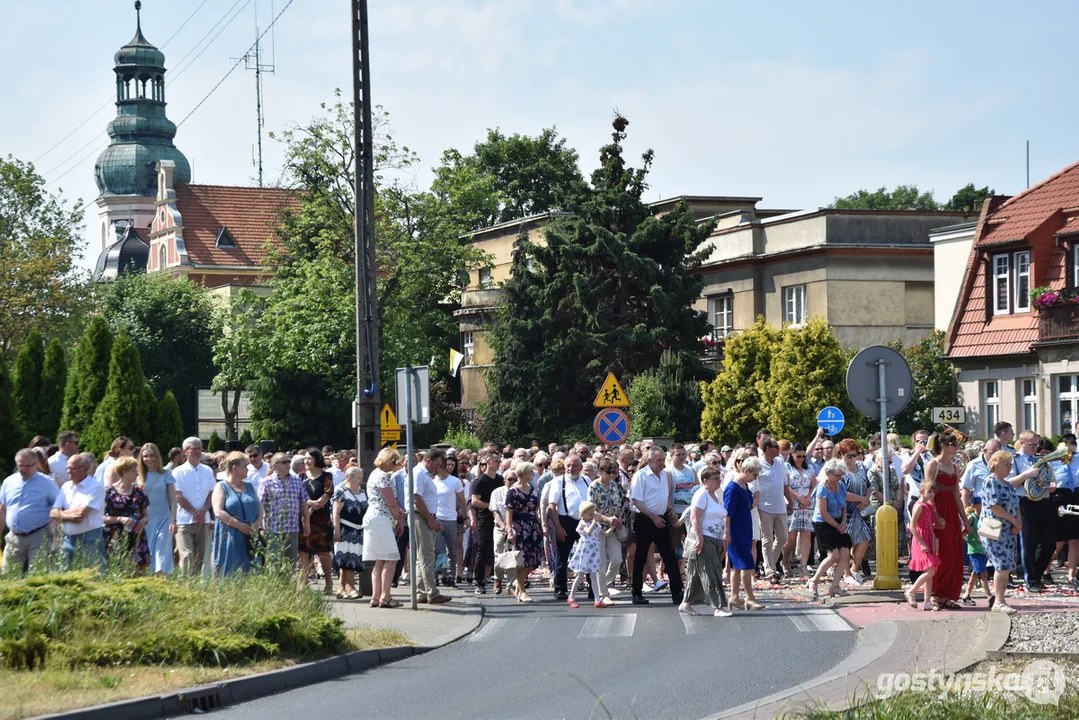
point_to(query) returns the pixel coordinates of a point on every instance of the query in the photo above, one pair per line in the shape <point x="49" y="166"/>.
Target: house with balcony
<point x="1014" y="334"/>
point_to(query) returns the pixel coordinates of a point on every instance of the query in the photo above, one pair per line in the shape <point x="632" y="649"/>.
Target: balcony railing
<point x="714" y="343"/>
<point x="1059" y="322"/>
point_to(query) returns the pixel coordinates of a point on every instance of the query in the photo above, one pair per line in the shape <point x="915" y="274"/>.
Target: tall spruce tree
<point x="53" y="382"/>
<point x="125" y="409"/>
<point x="27" y="378"/>
<point x="168" y="425"/>
<point x="11" y="437"/>
<point x="611" y="288"/>
<point x="88" y="377"/>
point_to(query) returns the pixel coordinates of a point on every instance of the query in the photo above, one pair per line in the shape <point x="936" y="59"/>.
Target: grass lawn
<point x="75" y="639"/>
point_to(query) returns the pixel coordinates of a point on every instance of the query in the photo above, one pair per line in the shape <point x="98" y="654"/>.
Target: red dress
<point x="948" y="582"/>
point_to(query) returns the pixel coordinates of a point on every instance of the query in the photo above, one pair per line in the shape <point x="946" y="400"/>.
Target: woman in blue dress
<point x="239" y="516"/>
<point x="1001" y="502"/>
<point x="738" y="501"/>
<point x="157" y="483"/>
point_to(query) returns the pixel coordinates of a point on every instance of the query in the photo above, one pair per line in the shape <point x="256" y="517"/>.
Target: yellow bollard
<point x="887" y="549"/>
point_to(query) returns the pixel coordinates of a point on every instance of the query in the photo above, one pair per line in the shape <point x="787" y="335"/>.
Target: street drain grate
<point x="202" y="701"/>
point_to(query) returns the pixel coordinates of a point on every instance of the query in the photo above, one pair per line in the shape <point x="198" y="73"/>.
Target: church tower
<point x="126" y="172"/>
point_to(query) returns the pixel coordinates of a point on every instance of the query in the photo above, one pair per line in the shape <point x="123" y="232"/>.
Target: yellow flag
<point x="456" y="359"/>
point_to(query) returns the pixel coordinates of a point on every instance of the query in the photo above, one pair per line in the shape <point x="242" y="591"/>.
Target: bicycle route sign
<point x="831" y="419"/>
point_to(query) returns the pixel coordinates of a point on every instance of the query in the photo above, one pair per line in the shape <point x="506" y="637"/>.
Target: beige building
<point x="868" y="273"/>
<point x="951" y="248"/>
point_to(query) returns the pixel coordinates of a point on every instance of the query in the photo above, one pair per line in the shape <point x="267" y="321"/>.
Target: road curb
<point x="249" y="687"/>
<point x="997" y="628"/>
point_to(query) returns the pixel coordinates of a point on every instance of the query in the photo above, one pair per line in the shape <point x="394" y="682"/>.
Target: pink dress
<point x="921" y="560"/>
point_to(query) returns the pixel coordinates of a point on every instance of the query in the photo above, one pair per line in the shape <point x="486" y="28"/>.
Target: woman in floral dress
<point x="126" y="515"/>
<point x="801" y="481"/>
<point x="522" y="522"/>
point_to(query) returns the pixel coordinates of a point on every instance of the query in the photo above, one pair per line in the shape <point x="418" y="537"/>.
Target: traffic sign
<point x="391" y="429"/>
<point x="611" y="394"/>
<point x="421" y="389"/>
<point x="831" y="419"/>
<point x="611" y="426"/>
<point x="949" y="415"/>
<point x="863" y="381"/>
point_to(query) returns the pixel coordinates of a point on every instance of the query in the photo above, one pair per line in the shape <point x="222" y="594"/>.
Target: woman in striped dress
<point x="857" y="500"/>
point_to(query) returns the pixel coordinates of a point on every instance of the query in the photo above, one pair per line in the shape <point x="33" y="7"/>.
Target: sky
<point x="794" y="102"/>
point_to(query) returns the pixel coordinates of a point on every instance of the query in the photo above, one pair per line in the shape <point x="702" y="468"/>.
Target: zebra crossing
<point x="624" y="625"/>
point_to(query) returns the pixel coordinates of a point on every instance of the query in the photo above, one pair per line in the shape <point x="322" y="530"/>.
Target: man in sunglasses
<point x="256" y="468"/>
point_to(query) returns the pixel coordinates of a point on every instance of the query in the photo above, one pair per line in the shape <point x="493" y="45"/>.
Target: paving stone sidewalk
<point x="430" y="626"/>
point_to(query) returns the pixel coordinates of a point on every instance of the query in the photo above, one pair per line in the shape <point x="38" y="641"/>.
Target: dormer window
<point x="224" y="238"/>
<point x="1011" y="283"/>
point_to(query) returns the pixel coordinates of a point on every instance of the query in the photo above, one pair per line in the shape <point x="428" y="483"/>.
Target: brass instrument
<point x="1037" y="487"/>
<point x="1068" y="510"/>
<point x="964" y="454"/>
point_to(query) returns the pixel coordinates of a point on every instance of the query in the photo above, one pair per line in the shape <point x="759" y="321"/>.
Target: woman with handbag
<point x="238" y="517"/>
<point x="1000" y="525"/>
<point x="612" y="511"/>
<point x="523" y="530"/>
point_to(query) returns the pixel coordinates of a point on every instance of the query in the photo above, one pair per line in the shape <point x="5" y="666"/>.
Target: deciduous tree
<point x="734" y="403"/>
<point x="934" y="383"/>
<point x="969" y="198"/>
<point x="904" y="197"/>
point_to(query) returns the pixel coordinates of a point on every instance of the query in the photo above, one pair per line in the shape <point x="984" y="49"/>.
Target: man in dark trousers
<point x="483" y="520"/>
<point x="565" y="494"/>
<point x="652" y="496"/>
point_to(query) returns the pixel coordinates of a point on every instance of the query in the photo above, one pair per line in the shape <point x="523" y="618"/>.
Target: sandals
<point x="910" y="600"/>
<point x="813" y="590"/>
<point x="968" y="601"/>
<point x="353" y="595"/>
<point x="931" y="606"/>
<point x="522" y="598"/>
<point x="737" y="603"/>
<point x="754" y="605"/>
<point x="949" y="604"/>
<point x="573" y="603"/>
<point x="390" y="604"/>
<point x="684" y="608"/>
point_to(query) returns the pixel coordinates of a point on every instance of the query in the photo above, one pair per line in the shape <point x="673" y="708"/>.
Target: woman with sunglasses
<point x="952" y="524"/>
<point x="857" y="500"/>
<point x="801" y="480"/>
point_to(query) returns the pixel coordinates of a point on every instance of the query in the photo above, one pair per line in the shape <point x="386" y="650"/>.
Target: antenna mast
<point x="253" y="61"/>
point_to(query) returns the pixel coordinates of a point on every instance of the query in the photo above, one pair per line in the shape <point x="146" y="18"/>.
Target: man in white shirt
<point x="194" y="491"/>
<point x="565" y="493"/>
<point x="772" y="510"/>
<point x="498" y="510"/>
<point x="425" y="501"/>
<point x="80" y="506"/>
<point x="652" y="495"/>
<point x="914" y="466"/>
<point x="256" y="468"/>
<point x="69" y="447"/>
<point x="340" y="462"/>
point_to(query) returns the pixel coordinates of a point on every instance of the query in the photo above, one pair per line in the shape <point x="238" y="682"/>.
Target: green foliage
<point x="27" y="378"/>
<point x="168" y="425"/>
<point x="215" y="443"/>
<point x="11" y="437"/>
<point x="53" y="382"/>
<point x="934" y="383"/>
<point x="663" y="403"/>
<point x="88" y="377"/>
<point x="125" y="409"/>
<point x="647" y="416"/>
<point x="734" y="403"/>
<point x="609" y="290"/>
<point x="969" y="198"/>
<point x="245" y="438"/>
<point x="41" y="285"/>
<point x="174" y="324"/>
<point x="462" y="438"/>
<point x="904" y="197"/>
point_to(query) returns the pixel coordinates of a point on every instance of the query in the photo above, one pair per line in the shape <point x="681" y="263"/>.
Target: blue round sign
<point x="831" y="419"/>
<point x="611" y="426"/>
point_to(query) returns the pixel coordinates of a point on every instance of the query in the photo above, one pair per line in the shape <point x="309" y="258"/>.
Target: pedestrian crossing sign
<point x="611" y="394"/>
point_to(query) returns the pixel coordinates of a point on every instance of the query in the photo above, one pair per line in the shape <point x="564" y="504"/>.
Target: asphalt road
<point x="550" y="661"/>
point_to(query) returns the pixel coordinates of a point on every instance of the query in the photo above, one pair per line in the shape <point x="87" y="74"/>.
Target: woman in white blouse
<point x="705" y="546"/>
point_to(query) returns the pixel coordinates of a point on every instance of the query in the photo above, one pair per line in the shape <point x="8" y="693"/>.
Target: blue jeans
<point x="89" y="548"/>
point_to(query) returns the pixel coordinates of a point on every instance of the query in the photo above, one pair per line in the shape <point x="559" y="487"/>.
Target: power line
<point x="181" y="70"/>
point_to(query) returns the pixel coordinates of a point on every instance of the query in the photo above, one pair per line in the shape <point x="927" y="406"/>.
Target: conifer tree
<point x="27" y="384"/>
<point x="11" y="437"/>
<point x="215" y="443"/>
<point x="245" y="438"/>
<point x="610" y="289"/>
<point x="88" y="376"/>
<point x="168" y="426"/>
<point x="53" y="382"/>
<point x="123" y="410"/>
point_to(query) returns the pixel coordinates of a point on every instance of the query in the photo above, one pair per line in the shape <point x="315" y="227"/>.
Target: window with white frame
<point x="1030" y="404"/>
<point x="485" y="278"/>
<point x="468" y="342"/>
<point x="991" y="395"/>
<point x="723" y="315"/>
<point x="1067" y="402"/>
<point x="794" y="305"/>
<point x="1011" y="283"/>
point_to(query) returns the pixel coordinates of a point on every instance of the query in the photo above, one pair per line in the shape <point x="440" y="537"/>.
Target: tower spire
<point x="138" y="16"/>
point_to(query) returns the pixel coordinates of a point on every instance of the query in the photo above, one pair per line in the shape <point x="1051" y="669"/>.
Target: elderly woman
<point x="1000" y="502"/>
<point x="523" y="527"/>
<point x="126" y="514"/>
<point x="830" y="526"/>
<point x="318" y="483"/>
<point x="857" y="484"/>
<point x="157" y="483"/>
<point x="238" y="515"/>
<point x="382" y="522"/>
<point x="738" y="499"/>
<point x="613" y="512"/>
<point x="704" y="547"/>
<point x="349" y="506"/>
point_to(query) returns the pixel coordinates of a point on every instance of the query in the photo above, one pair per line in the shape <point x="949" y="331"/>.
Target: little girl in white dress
<point x="584" y="558"/>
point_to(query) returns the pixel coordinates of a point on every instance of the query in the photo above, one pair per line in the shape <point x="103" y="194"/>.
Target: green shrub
<point x="462" y="438"/>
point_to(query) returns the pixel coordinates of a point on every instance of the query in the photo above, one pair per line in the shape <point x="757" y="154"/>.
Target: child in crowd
<point x="584" y="559"/>
<point x="978" y="558"/>
<point x="923" y="550"/>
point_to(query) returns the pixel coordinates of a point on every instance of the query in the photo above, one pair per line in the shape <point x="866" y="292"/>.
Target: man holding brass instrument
<point x="1037" y="540"/>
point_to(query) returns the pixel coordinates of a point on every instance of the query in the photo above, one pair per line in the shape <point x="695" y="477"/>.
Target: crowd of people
<point x="698" y="521"/>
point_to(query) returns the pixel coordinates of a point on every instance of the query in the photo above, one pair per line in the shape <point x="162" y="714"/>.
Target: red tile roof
<point x="251" y="215"/>
<point x="1030" y="218"/>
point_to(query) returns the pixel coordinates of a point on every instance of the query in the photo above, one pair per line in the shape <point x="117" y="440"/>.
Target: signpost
<point x="611" y="426"/>
<point x="412" y="395"/>
<point x="879" y="384"/>
<point x="832" y="420"/>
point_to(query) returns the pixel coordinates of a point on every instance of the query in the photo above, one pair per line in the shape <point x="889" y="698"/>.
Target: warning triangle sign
<point x="388" y="419"/>
<point x="611" y="394"/>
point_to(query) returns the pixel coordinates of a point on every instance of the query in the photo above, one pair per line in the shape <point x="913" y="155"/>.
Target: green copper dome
<point x="141" y="133"/>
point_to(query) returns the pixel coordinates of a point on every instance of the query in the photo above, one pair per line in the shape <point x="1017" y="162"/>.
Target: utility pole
<point x="368" y="394"/>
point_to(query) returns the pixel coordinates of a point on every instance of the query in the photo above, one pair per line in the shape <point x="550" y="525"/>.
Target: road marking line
<point x="799" y="621"/>
<point x="492" y="627"/>
<point x="692" y="628"/>
<point x="610" y="626"/>
<point x="829" y="622"/>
